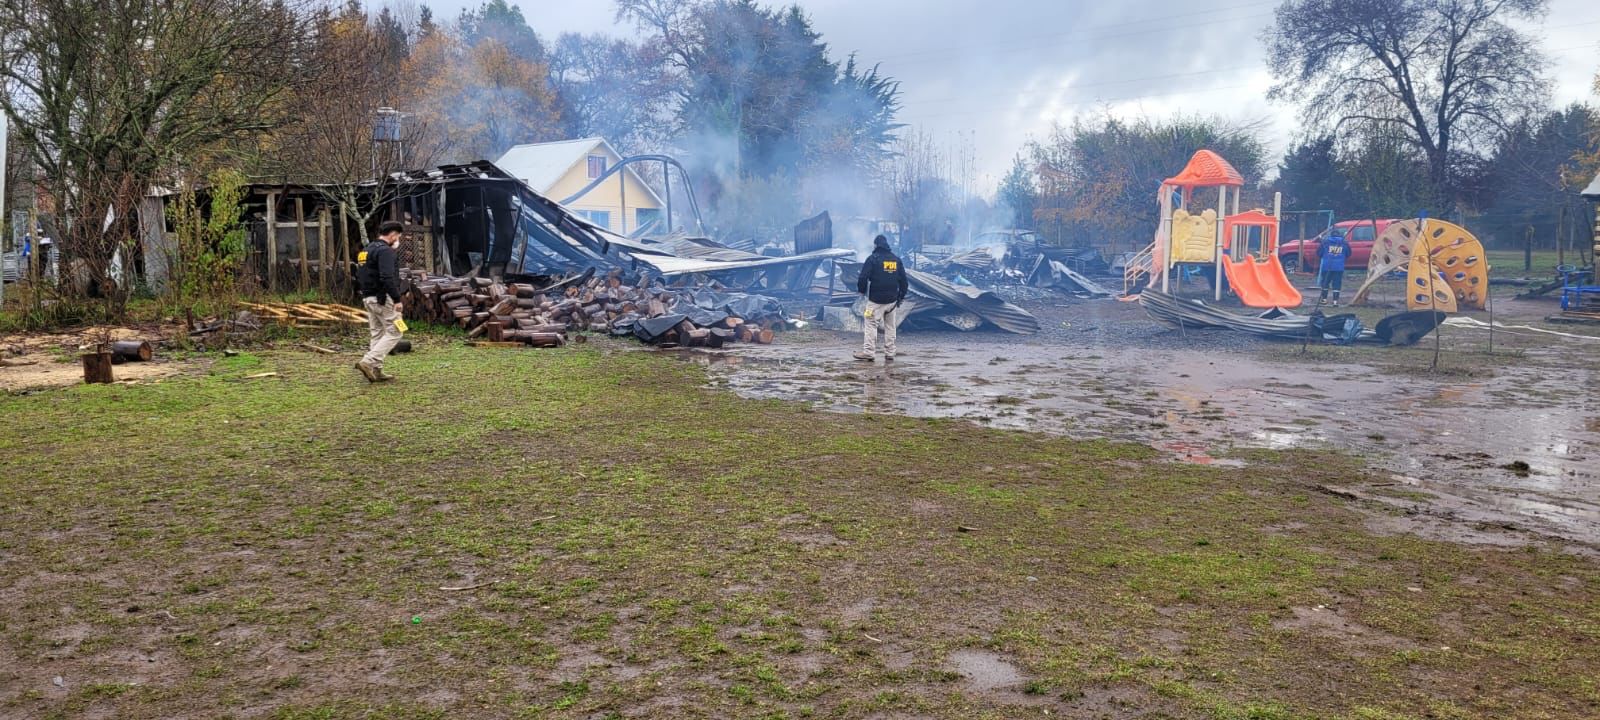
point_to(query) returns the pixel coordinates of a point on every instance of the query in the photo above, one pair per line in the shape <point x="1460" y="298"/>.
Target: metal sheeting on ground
<point x="982" y="303"/>
<point x="1054" y="274"/>
<point x="1184" y="312"/>
<point x="1402" y="328"/>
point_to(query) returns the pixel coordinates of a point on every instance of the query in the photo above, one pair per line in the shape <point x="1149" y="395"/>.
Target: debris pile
<point x="544" y="316"/>
<point x="936" y="302"/>
<point x="1403" y="328"/>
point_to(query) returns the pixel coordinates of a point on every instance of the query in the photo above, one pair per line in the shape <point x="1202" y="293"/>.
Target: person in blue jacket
<point x="1332" y="253"/>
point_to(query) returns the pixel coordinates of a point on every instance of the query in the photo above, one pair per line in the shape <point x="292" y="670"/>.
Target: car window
<point x="1362" y="232"/>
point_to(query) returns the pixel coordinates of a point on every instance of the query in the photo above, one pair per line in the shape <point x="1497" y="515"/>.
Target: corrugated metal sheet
<point x="669" y="266"/>
<point x="982" y="303"/>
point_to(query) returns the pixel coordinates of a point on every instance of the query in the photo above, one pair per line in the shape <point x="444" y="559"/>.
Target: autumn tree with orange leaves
<point x="485" y="81"/>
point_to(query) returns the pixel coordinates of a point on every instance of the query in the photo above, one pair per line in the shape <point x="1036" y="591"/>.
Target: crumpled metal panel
<point x="669" y="266"/>
<point x="984" y="304"/>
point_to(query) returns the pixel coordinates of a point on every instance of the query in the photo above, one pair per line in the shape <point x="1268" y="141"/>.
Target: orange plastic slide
<point x="1261" y="283"/>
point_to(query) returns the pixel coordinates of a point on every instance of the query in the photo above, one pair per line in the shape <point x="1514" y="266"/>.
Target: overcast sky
<point x="992" y="74"/>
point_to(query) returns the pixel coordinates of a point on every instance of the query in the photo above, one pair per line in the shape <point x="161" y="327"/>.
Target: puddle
<point x="984" y="671"/>
<point x="1453" y="439"/>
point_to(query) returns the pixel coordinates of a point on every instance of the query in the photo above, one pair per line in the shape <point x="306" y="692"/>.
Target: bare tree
<point x="109" y="94"/>
<point x="332" y="146"/>
<point x="1441" y="75"/>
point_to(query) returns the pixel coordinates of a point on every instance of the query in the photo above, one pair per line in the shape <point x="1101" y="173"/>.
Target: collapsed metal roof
<point x="550" y="239"/>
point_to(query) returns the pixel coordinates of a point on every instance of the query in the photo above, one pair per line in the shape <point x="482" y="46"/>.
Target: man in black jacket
<point x="379" y="277"/>
<point x="883" y="281"/>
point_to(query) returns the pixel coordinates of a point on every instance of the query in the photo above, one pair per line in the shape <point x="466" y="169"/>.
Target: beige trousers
<point x="381" y="318"/>
<point x="874" y="321"/>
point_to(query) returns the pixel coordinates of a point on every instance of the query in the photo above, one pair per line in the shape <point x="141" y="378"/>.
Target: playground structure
<point x="1214" y="239"/>
<point x="1446" y="268"/>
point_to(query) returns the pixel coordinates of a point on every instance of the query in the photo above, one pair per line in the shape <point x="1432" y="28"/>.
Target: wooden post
<point x="272" y="242"/>
<point x="1527" y="250"/>
<point x="322" y="248"/>
<point x="427" y="244"/>
<point x="300" y="227"/>
<point x="622" y="185"/>
<point x="444" y="222"/>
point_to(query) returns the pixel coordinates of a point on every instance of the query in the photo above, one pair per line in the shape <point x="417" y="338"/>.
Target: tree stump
<point x="96" y="367"/>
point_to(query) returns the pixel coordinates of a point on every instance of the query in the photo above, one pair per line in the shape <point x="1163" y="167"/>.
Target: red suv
<point x="1302" y="254"/>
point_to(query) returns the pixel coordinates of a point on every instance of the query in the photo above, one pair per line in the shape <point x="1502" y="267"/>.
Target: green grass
<point x="212" y="546"/>
<point x="1509" y="263"/>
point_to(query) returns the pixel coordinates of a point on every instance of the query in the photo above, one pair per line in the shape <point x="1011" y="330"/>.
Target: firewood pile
<point x="544" y="316"/>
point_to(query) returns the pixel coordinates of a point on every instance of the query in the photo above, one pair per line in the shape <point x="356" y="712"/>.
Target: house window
<point x="598" y="217"/>
<point x="644" y="216"/>
<point x="597" y="166"/>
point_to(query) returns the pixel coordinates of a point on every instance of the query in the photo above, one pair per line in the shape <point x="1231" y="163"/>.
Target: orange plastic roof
<point x="1251" y="218"/>
<point x="1206" y="169"/>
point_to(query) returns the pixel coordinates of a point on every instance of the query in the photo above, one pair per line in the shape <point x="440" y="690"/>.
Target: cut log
<point x="131" y="351"/>
<point x="546" y="339"/>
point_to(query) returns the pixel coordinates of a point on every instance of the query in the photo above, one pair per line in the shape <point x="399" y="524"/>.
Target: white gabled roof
<point x="542" y="165"/>
<point x="1593" y="191"/>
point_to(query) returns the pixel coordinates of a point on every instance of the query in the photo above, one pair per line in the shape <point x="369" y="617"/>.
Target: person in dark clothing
<point x="883" y="281"/>
<point x="379" y="277"/>
<point x="1332" y="254"/>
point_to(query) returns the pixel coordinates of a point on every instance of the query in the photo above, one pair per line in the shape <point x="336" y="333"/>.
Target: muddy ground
<point x="1498" y="444"/>
<point x="588" y="532"/>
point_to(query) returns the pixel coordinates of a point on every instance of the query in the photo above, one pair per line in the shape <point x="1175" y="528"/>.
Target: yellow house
<point x="623" y="204"/>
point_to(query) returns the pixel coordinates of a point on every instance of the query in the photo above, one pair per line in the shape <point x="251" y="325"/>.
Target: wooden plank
<point x="300" y="227"/>
<point x="491" y="344"/>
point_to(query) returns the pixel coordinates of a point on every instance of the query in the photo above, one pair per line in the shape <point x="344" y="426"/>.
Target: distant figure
<point x="380" y="293"/>
<point x="1332" y="253"/>
<point x="45" y="246"/>
<point x="883" y="281"/>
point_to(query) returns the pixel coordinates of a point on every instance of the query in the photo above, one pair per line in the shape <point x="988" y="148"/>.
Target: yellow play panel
<point x="1454" y="253"/>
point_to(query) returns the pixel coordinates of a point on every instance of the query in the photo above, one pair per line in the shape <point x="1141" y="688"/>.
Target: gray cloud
<point x="1000" y="71"/>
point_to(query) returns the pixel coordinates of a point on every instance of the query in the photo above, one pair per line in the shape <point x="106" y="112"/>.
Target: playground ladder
<point x="1142" y="263"/>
